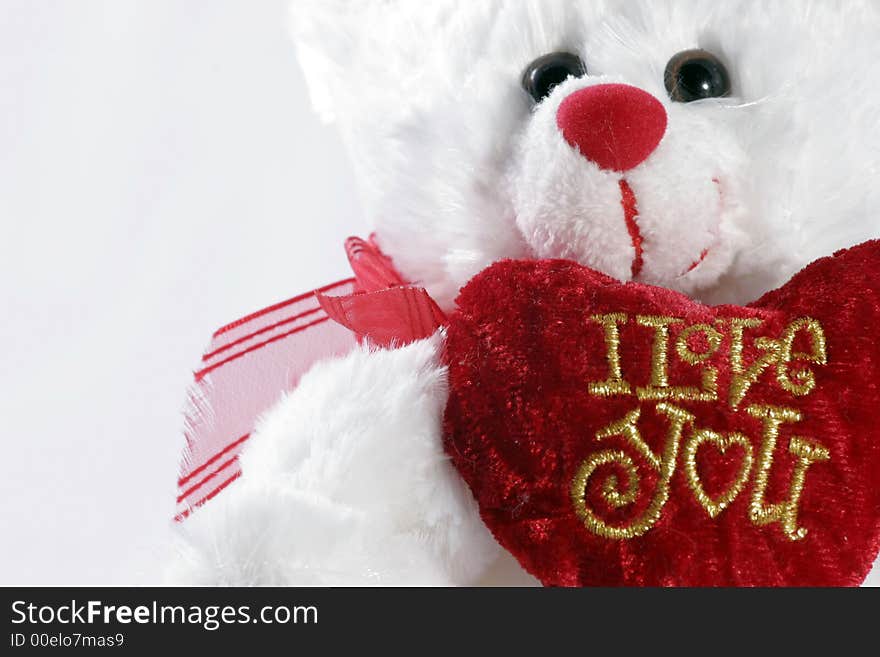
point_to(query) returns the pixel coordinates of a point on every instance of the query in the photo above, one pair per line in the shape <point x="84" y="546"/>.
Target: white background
<point x="161" y="173"/>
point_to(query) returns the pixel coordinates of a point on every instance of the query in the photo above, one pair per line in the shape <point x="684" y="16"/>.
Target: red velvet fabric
<point x="617" y="126"/>
<point x="521" y="421"/>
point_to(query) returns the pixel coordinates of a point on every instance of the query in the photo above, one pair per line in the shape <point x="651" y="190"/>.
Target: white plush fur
<point x="567" y="207"/>
<point x="346" y="482"/>
<point x="458" y="169"/>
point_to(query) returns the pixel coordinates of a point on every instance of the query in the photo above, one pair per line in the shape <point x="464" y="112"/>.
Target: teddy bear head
<point x="708" y="147"/>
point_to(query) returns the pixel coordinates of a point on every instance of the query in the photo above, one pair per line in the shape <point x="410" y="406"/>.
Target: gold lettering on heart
<point x="722" y="443"/>
<point x="743" y="377"/>
<point x="659" y="387"/>
<point x="664" y="464"/>
<point x="804" y="451"/>
<point x="772" y="352"/>
<point x="614" y="384"/>
<point x="778" y="352"/>
<point x="699" y="345"/>
<point x="804" y="379"/>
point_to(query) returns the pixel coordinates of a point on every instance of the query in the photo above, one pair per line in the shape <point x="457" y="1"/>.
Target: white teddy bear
<point x="746" y="134"/>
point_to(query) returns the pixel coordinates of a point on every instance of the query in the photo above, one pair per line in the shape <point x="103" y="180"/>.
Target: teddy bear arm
<point x="345" y="481"/>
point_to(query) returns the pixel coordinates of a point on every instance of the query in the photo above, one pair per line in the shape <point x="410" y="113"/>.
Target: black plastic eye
<point x="546" y="72"/>
<point x="694" y="75"/>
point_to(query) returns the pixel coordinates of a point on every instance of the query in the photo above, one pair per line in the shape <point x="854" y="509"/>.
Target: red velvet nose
<point x="614" y="125"/>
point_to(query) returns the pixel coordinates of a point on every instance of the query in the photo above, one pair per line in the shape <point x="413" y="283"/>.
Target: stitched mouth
<point x="630" y="214"/>
<point x="698" y="262"/>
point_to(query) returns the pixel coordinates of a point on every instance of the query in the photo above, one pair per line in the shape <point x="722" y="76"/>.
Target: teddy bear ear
<point x="328" y="36"/>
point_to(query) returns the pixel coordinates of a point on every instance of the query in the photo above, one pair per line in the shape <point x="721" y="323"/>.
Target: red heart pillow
<point x="623" y="434"/>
